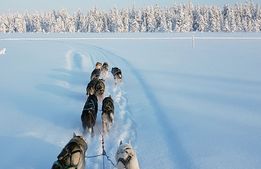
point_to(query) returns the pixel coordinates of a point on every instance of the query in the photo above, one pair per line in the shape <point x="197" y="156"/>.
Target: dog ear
<point x="121" y="142"/>
<point x="129" y="142"/>
<point x="74" y="135"/>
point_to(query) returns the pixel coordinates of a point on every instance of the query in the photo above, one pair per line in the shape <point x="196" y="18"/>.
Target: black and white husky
<point x="105" y="70"/>
<point x="73" y="154"/>
<point x="97" y="71"/>
<point x="116" y="72"/>
<point x="126" y="157"/>
<point x="107" y="113"/>
<point x="89" y="114"/>
<point x="90" y="89"/>
<point x="99" y="89"/>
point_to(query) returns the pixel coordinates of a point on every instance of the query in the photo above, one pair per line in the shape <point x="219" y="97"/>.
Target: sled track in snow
<point x="123" y="127"/>
<point x="182" y="159"/>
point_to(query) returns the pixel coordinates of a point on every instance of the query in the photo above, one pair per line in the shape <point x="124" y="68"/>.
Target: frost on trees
<point x="242" y="17"/>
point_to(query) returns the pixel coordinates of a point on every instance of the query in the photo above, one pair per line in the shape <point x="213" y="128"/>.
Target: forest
<point x="178" y="18"/>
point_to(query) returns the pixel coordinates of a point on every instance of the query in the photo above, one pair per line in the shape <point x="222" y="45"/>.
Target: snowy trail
<point x="123" y="128"/>
<point x="174" y="149"/>
<point x="126" y="114"/>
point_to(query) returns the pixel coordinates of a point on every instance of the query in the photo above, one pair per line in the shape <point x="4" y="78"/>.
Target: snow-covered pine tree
<point x="79" y="21"/>
<point x="28" y="21"/>
<point x="188" y="17"/>
<point x="52" y="22"/>
<point x="44" y="21"/>
<point x="174" y="12"/>
<point x="168" y="15"/>
<point x="3" y="24"/>
<point x="151" y="22"/>
<point x="205" y="14"/>
<point x="238" y="15"/>
<point x="226" y="14"/>
<point x="247" y="18"/>
<point x="163" y="24"/>
<point x="135" y="18"/>
<point x="157" y="16"/>
<point x="179" y="18"/>
<point x="119" y="23"/>
<point x="257" y="24"/>
<point x="59" y="27"/>
<point x="232" y="21"/>
<point x="19" y="23"/>
<point x="125" y="19"/>
<point x="112" y="19"/>
<point x="36" y="23"/>
<point x="196" y="18"/>
<point x="105" y="21"/>
<point x="65" y="20"/>
<point x="212" y="19"/>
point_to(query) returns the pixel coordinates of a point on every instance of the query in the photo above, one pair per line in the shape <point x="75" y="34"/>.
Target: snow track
<point x="124" y="127"/>
<point x="83" y="58"/>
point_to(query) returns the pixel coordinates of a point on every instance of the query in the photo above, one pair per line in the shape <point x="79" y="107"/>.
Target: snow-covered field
<point x="181" y="107"/>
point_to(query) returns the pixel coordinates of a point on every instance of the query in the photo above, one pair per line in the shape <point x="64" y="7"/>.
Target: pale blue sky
<point x="73" y="5"/>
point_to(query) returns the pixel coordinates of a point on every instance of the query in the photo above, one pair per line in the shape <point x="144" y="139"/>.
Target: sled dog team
<point x="73" y="154"/>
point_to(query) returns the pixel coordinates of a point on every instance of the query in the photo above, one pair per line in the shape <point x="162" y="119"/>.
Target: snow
<point x="181" y="107"/>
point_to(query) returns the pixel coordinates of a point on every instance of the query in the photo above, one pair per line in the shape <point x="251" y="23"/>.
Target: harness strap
<point x="124" y="162"/>
<point x="92" y="103"/>
<point x="101" y="85"/>
<point x="118" y="70"/>
<point x="70" y="155"/>
<point x="65" y="167"/>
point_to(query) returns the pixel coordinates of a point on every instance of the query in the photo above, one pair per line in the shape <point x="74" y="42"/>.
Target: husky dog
<point x="90" y="89"/>
<point x="126" y="157"/>
<point x="89" y="114"/>
<point x="116" y="72"/>
<point x="2" y="52"/>
<point x="73" y="154"/>
<point x="105" y="70"/>
<point x="99" y="89"/>
<point x="97" y="71"/>
<point x="107" y="113"/>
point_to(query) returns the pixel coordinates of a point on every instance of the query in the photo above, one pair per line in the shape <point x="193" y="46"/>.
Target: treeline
<point x="177" y="18"/>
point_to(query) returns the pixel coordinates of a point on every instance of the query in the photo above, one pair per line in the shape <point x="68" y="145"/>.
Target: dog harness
<point x="124" y="162"/>
<point x="117" y="71"/>
<point x="70" y="154"/>
<point x="99" y="85"/>
<point x="88" y="104"/>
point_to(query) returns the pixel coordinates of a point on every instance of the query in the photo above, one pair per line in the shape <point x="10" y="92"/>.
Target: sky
<point x="72" y="6"/>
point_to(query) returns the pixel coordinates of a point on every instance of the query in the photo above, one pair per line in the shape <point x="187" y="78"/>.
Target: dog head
<point x="98" y="65"/>
<point x="126" y="156"/>
<point x="80" y="140"/>
<point x="79" y="137"/>
<point x="73" y="154"/>
<point x="105" y="66"/>
<point x="124" y="151"/>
